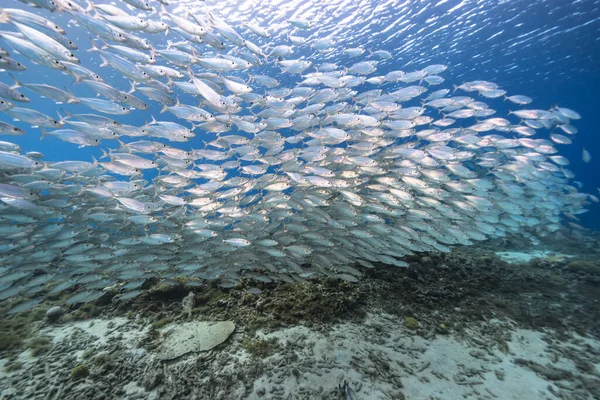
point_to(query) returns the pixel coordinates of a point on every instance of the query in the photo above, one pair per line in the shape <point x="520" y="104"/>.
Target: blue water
<point x="548" y="50"/>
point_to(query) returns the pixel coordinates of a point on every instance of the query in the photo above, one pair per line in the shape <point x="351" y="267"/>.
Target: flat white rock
<point x="193" y="337"/>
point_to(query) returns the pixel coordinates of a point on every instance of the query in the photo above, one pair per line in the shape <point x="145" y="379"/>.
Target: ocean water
<point x="545" y="49"/>
<point x="542" y="50"/>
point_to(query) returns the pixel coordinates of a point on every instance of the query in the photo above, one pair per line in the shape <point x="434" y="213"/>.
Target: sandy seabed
<point x="379" y="359"/>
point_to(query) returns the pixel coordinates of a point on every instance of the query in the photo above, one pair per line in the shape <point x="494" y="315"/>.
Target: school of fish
<point x="340" y="171"/>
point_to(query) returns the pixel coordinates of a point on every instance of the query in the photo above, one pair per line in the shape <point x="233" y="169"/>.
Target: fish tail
<point x="94" y="47"/>
<point x="163" y="9"/>
<point x="72" y="98"/>
<point x="17" y="83"/>
<point x="90" y="6"/>
<point x="68" y="114"/>
<point x="121" y="143"/>
<point x="133" y="85"/>
<point x="61" y="119"/>
<point x="4" y="17"/>
<point x="105" y="63"/>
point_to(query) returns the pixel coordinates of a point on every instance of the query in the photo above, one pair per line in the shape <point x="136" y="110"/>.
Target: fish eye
<point x="15" y="129"/>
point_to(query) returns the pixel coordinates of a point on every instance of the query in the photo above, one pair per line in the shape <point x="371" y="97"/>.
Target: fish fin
<point x="68" y="114"/>
<point x="104" y="44"/>
<point x="163" y="10"/>
<point x="133" y="84"/>
<point x="94" y="47"/>
<point x="44" y="133"/>
<point x="17" y="83"/>
<point x="104" y="62"/>
<point x="121" y="143"/>
<point x="72" y="98"/>
<point x="90" y="6"/>
<point x="61" y="119"/>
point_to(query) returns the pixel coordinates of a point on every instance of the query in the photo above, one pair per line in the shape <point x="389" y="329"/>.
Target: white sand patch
<point x="102" y="329"/>
<point x="442" y="368"/>
<point x="516" y="257"/>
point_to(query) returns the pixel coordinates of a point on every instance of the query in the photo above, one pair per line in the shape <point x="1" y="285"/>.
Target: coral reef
<point x="411" y="323"/>
<point x="79" y="372"/>
<point x="261" y="347"/>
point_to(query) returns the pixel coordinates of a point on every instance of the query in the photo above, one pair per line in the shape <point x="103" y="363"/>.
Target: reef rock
<point x="194" y="336"/>
<point x="54" y="313"/>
